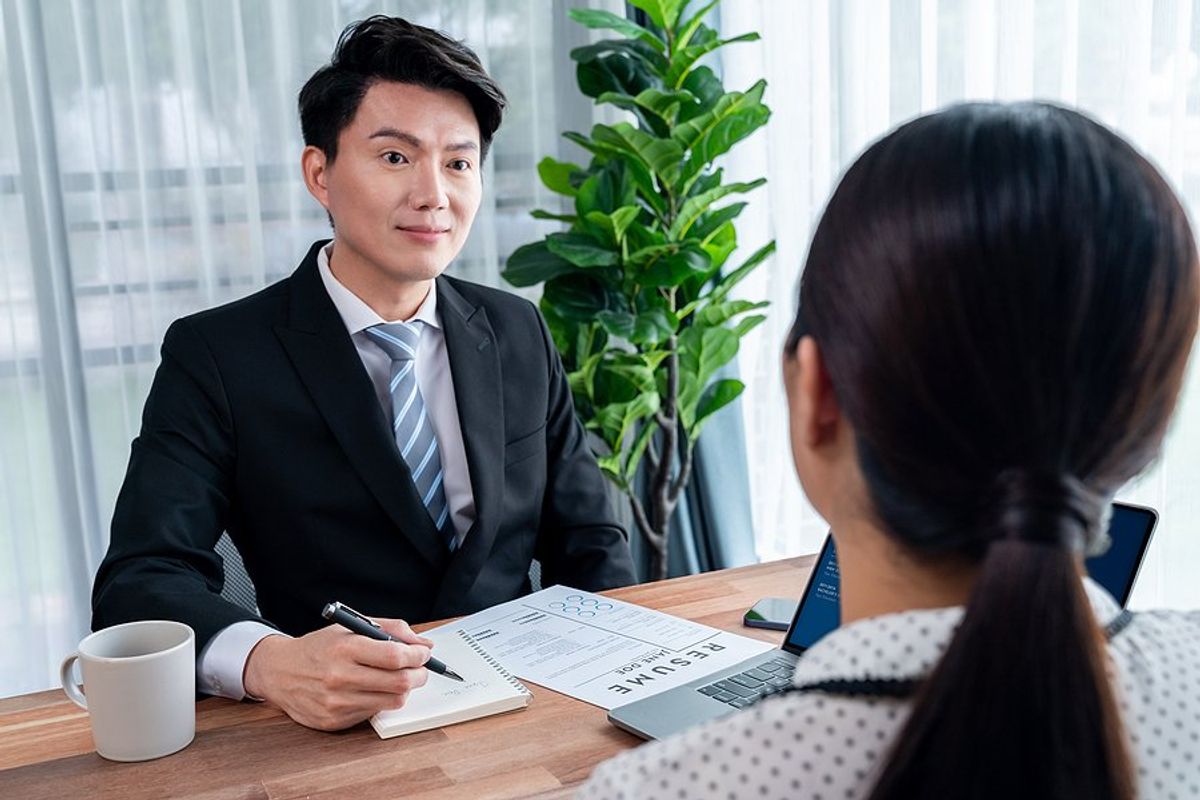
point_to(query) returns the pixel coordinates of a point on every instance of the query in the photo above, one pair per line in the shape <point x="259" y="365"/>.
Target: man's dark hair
<point x="383" y="48"/>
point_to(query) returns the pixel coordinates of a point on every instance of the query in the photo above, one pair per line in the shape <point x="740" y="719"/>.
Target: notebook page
<point x="486" y="689"/>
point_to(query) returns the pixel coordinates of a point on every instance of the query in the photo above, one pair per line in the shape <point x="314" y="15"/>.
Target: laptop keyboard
<point x="745" y="687"/>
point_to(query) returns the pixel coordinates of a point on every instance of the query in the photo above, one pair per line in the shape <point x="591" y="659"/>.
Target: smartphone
<point x="773" y="613"/>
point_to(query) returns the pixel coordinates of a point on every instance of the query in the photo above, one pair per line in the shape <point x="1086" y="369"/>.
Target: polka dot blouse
<point x="824" y="747"/>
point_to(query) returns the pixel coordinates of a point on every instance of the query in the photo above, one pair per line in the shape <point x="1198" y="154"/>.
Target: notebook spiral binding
<point x="508" y="676"/>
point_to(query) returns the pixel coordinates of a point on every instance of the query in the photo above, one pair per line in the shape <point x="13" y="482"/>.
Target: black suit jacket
<point x="262" y="421"/>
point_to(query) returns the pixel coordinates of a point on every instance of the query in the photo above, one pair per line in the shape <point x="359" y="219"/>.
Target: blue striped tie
<point x="410" y="424"/>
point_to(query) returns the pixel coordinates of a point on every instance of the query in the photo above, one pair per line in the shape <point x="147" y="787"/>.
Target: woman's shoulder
<point x="1154" y="637"/>
<point x="799" y="745"/>
<point x="1157" y="663"/>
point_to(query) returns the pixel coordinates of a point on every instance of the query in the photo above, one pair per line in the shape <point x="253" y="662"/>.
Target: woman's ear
<point x="820" y="415"/>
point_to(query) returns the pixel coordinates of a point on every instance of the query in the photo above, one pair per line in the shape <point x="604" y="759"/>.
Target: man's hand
<point x="331" y="678"/>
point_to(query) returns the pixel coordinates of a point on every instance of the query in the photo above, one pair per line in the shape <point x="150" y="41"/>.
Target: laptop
<point x="739" y="686"/>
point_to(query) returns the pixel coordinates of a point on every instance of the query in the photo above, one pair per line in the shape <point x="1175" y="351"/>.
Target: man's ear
<point x="820" y="414"/>
<point x="313" y="165"/>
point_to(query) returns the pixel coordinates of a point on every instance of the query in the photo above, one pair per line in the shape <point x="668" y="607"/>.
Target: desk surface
<point x="245" y="750"/>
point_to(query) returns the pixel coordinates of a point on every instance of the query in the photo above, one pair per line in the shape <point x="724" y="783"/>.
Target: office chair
<point x="238" y="589"/>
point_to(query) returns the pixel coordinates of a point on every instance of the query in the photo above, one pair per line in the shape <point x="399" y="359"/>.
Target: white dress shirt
<point x="221" y="663"/>
<point x="815" y="745"/>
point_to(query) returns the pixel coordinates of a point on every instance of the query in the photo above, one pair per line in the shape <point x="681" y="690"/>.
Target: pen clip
<point x="362" y="617"/>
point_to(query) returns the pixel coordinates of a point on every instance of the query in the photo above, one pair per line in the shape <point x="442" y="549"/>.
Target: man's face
<point x="405" y="186"/>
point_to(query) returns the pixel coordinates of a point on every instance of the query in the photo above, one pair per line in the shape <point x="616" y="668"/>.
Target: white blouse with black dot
<point x="825" y="747"/>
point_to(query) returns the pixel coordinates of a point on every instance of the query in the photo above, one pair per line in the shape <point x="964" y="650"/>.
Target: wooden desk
<point x="244" y="750"/>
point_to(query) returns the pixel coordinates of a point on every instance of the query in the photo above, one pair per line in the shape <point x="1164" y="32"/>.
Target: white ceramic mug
<point x="140" y="679"/>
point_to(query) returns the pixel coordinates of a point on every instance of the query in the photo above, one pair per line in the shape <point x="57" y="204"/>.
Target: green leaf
<point x="673" y="269"/>
<point x="638" y="237"/>
<point x="579" y="296"/>
<point x="646" y="255"/>
<point x="695" y="206"/>
<point x="703" y="350"/>
<point x="534" y="263"/>
<point x="605" y="191"/>
<point x="634" y="169"/>
<point x="649" y="121"/>
<point x="581" y="250"/>
<point x="683" y="59"/>
<point x="556" y="175"/>
<point x="729" y="281"/>
<point x="610" y="465"/>
<point x="661" y="156"/>
<point x="706" y="137"/>
<point x="748" y="324"/>
<point x="620" y="99"/>
<point x="651" y="59"/>
<point x="706" y="181"/>
<point x="600" y="226"/>
<point x="649" y="328"/>
<point x="637" y="450"/>
<point x="621" y="377"/>
<point x="716" y="396"/>
<point x="621" y="218"/>
<point x="689" y="27"/>
<point x="582" y="380"/>
<point x="541" y="213"/>
<point x="563" y="332"/>
<point x="703" y="83"/>
<point x="719" y="245"/>
<point x="710" y="223"/>
<point x="666" y="105"/>
<point x="615" y="420"/>
<point x="610" y="228"/>
<point x="714" y="314"/>
<point x="616" y="69"/>
<point x="597" y="19"/>
<point x="663" y="13"/>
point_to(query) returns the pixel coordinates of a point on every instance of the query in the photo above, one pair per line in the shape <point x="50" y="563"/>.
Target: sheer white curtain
<point x="149" y="154"/>
<point x="843" y="72"/>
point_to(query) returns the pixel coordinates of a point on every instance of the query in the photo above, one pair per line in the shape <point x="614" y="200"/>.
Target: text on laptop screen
<point x="1115" y="570"/>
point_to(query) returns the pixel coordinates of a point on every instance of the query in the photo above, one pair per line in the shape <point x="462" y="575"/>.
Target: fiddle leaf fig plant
<point x="636" y="291"/>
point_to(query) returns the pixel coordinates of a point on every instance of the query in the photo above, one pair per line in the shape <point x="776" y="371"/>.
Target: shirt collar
<point x="356" y="314"/>
<point x="905" y="645"/>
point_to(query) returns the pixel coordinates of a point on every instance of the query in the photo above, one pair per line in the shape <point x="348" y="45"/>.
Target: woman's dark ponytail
<point x="1005" y="297"/>
<point x="1023" y="683"/>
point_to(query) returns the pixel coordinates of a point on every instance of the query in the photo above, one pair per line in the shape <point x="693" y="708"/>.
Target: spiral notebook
<point x="486" y="689"/>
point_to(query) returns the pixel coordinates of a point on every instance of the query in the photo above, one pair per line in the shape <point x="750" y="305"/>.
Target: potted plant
<point x="637" y="290"/>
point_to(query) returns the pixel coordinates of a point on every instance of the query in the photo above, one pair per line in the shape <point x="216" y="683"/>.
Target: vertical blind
<point x="843" y="72"/>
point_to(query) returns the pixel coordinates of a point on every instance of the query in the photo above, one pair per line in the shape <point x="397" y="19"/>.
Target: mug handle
<point x="68" y="682"/>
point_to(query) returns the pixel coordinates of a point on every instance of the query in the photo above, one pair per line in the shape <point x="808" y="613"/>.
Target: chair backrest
<point x="238" y="587"/>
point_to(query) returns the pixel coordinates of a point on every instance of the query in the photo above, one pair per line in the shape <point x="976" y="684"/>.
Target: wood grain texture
<point x="247" y="751"/>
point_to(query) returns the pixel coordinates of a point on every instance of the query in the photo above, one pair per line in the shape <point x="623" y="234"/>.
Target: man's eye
<point x="460" y="164"/>
<point x="394" y="158"/>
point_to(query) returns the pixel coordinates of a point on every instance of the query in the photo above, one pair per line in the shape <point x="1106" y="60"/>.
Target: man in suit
<point x="367" y="430"/>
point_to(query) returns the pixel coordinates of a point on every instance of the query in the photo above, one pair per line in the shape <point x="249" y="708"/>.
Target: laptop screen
<point x="1115" y="570"/>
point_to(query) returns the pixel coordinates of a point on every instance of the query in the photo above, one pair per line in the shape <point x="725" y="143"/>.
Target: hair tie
<point x="1038" y="507"/>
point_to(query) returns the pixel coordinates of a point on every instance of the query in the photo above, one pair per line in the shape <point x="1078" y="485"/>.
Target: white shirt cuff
<point x="223" y="660"/>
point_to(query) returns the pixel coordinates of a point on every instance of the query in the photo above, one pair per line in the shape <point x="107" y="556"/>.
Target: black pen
<point x="351" y="620"/>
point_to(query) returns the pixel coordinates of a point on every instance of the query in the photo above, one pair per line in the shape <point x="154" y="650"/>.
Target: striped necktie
<point x="410" y="424"/>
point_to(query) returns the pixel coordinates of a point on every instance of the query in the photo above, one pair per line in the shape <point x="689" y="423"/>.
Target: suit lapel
<point x="323" y="354"/>
<point x="475" y="369"/>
